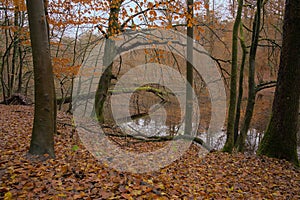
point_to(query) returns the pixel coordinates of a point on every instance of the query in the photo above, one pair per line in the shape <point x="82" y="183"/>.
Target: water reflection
<point x="147" y="127"/>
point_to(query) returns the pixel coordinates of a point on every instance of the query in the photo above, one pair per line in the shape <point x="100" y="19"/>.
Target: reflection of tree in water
<point x="162" y="109"/>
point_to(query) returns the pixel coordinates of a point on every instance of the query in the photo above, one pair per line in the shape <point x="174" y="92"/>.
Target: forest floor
<point x="76" y="174"/>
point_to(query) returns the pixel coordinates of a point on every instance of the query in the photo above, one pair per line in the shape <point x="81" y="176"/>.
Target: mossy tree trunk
<point x="280" y="138"/>
<point x="44" y="125"/>
<point x="109" y="53"/>
<point x="229" y="144"/>
<point x="240" y="143"/>
<point x="240" y="87"/>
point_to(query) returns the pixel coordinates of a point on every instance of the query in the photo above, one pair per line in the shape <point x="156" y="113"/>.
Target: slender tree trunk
<point x="44" y="126"/>
<point x="22" y="54"/>
<point x="16" y="42"/>
<point x="229" y="144"/>
<point x="20" y="75"/>
<point x="280" y="138"/>
<point x="251" y="81"/>
<point x="189" y="70"/>
<point x="7" y="54"/>
<point x="2" y="79"/>
<point x="73" y="64"/>
<point x="240" y="89"/>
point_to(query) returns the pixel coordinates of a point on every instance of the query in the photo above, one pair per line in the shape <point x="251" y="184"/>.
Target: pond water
<point x="149" y="127"/>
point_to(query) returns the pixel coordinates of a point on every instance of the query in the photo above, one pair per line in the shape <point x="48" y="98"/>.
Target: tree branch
<point x="265" y="85"/>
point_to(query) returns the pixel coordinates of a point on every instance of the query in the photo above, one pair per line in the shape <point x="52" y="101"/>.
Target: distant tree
<point x="44" y="125"/>
<point x="280" y="138"/>
<point x="13" y="47"/>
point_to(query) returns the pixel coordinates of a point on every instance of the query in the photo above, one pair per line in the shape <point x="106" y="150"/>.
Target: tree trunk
<point x="16" y="41"/>
<point x="229" y="144"/>
<point x="105" y="80"/>
<point x="251" y="82"/>
<point x="189" y="71"/>
<point x="20" y="75"/>
<point x="44" y="126"/>
<point x="280" y="138"/>
<point x="240" y="87"/>
<point x="109" y="53"/>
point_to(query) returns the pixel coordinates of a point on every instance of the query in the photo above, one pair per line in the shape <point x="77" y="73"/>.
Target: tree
<point x="189" y="69"/>
<point x="240" y="143"/>
<point x="12" y="33"/>
<point x="149" y="11"/>
<point x="280" y="138"/>
<point x="240" y="86"/>
<point x="228" y="147"/>
<point x="44" y="125"/>
<point x="104" y="82"/>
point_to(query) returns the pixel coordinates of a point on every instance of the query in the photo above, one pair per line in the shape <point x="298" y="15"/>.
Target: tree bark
<point x="16" y="43"/>
<point x="109" y="53"/>
<point x="280" y="138"/>
<point x="42" y="141"/>
<point x="229" y="144"/>
<point x="251" y="82"/>
<point x="189" y="70"/>
<point x="240" y="87"/>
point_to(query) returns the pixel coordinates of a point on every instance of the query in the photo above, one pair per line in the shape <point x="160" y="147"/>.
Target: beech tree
<point x="44" y="125"/>
<point x="280" y="138"/>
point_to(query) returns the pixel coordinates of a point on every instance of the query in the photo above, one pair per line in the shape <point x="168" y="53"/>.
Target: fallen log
<point x="158" y="92"/>
<point x="143" y="138"/>
<point x="16" y="99"/>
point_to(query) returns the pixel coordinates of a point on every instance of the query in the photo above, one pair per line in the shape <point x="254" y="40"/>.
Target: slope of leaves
<point x="75" y="174"/>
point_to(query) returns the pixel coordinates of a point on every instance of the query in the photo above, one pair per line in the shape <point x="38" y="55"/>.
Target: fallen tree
<point x="142" y="138"/>
<point x="158" y="92"/>
<point x="16" y="99"/>
<point x="139" y="137"/>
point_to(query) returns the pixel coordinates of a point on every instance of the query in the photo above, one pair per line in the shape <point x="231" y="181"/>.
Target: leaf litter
<point x="76" y="174"/>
